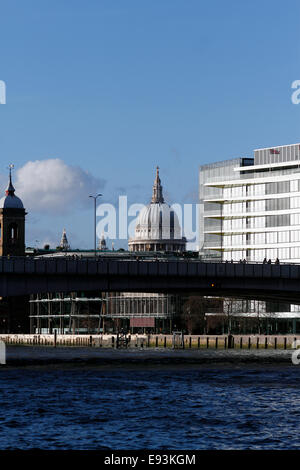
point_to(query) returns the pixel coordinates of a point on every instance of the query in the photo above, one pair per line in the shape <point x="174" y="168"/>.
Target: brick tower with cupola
<point x="12" y="222"/>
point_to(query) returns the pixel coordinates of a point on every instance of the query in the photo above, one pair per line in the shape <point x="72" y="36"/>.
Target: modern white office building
<point x="250" y="207"/>
<point x="250" y="210"/>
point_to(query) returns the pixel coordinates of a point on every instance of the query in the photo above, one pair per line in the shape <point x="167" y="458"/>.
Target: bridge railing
<point x="99" y="258"/>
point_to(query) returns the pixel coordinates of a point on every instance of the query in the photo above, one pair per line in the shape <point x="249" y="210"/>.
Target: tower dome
<point x="157" y="227"/>
<point x="10" y="200"/>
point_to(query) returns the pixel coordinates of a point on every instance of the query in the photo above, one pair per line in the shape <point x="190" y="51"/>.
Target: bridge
<point x="24" y="276"/>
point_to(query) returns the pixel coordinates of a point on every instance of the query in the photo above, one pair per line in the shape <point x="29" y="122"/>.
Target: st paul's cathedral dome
<point x="157" y="227"/>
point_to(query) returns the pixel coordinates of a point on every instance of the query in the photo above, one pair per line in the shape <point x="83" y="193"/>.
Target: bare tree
<point x="193" y="316"/>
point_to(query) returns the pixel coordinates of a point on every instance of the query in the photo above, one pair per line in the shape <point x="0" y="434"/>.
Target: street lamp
<point x="95" y="231"/>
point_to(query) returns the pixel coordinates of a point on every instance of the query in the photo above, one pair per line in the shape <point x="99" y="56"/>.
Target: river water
<point x="197" y="407"/>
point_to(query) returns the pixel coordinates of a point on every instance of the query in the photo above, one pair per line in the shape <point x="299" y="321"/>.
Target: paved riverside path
<point x="81" y="356"/>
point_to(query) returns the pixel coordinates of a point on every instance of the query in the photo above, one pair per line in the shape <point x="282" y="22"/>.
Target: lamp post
<point x="95" y="231"/>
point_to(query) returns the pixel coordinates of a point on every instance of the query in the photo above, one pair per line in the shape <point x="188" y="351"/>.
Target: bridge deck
<point x="20" y="276"/>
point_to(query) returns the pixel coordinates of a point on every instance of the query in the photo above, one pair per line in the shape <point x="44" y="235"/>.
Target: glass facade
<point x="95" y="312"/>
<point x="210" y="207"/>
<point x="250" y="207"/>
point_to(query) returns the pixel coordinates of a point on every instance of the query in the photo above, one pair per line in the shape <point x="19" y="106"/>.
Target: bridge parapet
<point x="20" y="276"/>
<point x="151" y="268"/>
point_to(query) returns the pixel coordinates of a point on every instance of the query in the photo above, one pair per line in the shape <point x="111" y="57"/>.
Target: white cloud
<point x="53" y="187"/>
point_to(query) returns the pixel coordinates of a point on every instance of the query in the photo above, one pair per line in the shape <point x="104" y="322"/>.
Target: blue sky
<point x="116" y="87"/>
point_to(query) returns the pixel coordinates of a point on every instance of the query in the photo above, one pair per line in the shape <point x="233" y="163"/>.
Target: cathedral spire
<point x="157" y="195"/>
<point x="64" y="244"/>
<point x="10" y="190"/>
<point x="102" y="243"/>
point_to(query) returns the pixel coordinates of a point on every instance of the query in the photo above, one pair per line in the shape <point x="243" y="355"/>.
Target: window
<point x="277" y="220"/>
<point x="278" y="204"/>
<point x="295" y="202"/>
<point x="271" y="237"/>
<point x="284" y="237"/>
<point x="278" y="187"/>
<point x="259" y="238"/>
<point x="294" y="185"/>
<point x="13" y="231"/>
<point x="295" y="219"/>
<point x="257" y="222"/>
<point x="284" y="253"/>
<point x="295" y="252"/>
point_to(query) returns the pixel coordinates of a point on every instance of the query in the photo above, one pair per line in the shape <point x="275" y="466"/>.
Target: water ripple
<point x="163" y="409"/>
